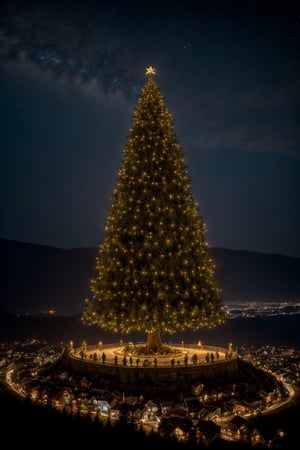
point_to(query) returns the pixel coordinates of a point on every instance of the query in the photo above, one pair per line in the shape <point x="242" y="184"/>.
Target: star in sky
<point x="71" y="78"/>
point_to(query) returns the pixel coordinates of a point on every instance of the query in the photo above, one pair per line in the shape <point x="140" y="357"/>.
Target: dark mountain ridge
<point x="36" y="278"/>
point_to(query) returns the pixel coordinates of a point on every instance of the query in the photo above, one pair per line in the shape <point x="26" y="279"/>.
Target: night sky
<point x="71" y="73"/>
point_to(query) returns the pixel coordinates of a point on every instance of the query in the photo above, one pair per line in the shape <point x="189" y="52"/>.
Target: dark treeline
<point x="25" y="423"/>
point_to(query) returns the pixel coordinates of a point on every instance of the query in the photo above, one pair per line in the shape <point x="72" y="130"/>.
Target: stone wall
<point x="153" y="380"/>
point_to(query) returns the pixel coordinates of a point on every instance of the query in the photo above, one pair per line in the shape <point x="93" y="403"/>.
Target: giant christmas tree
<point x="154" y="273"/>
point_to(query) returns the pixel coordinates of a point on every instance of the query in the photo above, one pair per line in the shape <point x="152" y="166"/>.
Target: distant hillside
<point x="245" y="275"/>
<point x="279" y="330"/>
<point x="36" y="278"/>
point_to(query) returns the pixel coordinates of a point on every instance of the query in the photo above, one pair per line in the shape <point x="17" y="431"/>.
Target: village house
<point x="206" y="432"/>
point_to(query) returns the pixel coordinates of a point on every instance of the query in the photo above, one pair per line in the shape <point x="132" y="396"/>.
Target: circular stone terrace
<point x="126" y="355"/>
<point x="114" y="366"/>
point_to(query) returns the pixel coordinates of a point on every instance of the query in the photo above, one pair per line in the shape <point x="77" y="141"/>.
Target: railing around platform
<point x="184" y="355"/>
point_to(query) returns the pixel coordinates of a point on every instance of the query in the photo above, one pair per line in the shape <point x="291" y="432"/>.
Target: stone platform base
<point x="152" y="380"/>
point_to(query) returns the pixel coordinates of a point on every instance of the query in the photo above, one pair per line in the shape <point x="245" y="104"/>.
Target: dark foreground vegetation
<point x="25" y="424"/>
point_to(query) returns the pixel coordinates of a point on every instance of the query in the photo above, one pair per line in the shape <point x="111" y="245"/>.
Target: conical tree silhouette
<point x="154" y="273"/>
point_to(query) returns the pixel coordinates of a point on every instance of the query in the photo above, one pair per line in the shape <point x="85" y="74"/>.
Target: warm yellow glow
<point x="153" y="270"/>
<point x="150" y="71"/>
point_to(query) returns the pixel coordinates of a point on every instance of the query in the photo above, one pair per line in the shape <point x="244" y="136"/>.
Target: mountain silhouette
<point x="37" y="278"/>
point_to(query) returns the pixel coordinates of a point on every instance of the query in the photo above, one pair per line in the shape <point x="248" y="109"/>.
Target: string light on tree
<point x="154" y="273"/>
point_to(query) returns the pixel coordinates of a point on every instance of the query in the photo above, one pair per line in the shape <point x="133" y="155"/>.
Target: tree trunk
<point x="154" y="343"/>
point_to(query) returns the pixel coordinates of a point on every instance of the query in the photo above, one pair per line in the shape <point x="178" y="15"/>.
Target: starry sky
<point x="71" y="73"/>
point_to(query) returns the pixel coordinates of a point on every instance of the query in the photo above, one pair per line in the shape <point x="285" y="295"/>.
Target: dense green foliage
<point x="154" y="272"/>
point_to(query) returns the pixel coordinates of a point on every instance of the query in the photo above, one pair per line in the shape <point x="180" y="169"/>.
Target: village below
<point x="209" y="412"/>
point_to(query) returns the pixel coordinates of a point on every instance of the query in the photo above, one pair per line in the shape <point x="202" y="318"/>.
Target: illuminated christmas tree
<point x="154" y="273"/>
